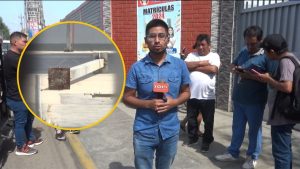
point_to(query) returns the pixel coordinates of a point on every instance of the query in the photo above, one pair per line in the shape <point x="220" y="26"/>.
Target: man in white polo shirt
<point x="203" y="66"/>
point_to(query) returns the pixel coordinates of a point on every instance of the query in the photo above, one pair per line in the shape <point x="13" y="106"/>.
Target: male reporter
<point x="156" y="125"/>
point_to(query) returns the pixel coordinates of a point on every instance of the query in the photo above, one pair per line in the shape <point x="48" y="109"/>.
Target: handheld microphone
<point x="160" y="88"/>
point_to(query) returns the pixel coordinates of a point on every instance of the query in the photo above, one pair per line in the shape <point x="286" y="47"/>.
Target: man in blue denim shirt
<point x="156" y="125"/>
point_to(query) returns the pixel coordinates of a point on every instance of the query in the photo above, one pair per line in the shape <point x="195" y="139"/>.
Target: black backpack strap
<point x="296" y="63"/>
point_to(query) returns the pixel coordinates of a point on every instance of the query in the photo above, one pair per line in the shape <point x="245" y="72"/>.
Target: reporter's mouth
<point x="157" y="47"/>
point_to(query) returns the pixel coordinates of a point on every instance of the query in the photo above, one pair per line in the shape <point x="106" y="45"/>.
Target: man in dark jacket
<point x="23" y="118"/>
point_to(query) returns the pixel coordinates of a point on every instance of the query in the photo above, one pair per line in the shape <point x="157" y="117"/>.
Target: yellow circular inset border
<point x="123" y="85"/>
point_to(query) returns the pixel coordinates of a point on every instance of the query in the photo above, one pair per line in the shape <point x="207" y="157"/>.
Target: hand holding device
<point x="240" y="70"/>
<point x="255" y="72"/>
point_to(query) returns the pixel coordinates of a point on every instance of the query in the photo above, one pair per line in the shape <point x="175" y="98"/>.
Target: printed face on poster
<point x="170" y="12"/>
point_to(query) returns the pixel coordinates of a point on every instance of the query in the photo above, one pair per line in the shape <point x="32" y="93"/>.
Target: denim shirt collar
<point x="259" y="52"/>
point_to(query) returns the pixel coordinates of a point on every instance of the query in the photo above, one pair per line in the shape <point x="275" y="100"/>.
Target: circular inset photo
<point x="71" y="76"/>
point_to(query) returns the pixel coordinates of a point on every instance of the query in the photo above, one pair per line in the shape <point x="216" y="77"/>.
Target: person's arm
<point x="183" y="97"/>
<point x="130" y="99"/>
<point x="210" y="69"/>
<point x="248" y="75"/>
<point x="210" y="66"/>
<point x="195" y="64"/>
<point x="235" y="64"/>
<point x="285" y="83"/>
<point x="243" y="74"/>
<point x="284" y="86"/>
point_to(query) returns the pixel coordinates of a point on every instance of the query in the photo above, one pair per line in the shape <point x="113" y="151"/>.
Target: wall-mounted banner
<point x="170" y="12"/>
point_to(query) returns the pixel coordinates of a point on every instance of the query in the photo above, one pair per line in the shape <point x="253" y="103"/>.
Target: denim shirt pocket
<point x="145" y="82"/>
<point x="174" y="84"/>
<point x="145" y="78"/>
<point x="173" y="78"/>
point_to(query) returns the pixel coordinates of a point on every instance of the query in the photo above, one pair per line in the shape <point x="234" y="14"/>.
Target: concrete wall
<point x="225" y="50"/>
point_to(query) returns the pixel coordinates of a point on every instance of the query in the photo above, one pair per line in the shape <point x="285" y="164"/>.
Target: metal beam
<point x="60" y="78"/>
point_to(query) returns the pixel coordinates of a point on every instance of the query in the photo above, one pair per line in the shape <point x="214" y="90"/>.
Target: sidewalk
<point x="51" y="153"/>
<point x="110" y="144"/>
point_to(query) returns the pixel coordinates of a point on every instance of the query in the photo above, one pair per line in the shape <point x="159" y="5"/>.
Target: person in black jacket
<point x="25" y="138"/>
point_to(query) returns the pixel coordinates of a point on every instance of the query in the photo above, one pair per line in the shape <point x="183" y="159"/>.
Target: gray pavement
<point x="52" y="154"/>
<point x="110" y="144"/>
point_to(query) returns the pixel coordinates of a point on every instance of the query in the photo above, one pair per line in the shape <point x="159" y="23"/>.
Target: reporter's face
<point x="157" y="39"/>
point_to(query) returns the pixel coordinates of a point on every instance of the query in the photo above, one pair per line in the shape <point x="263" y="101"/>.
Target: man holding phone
<point x="283" y="85"/>
<point x="249" y="98"/>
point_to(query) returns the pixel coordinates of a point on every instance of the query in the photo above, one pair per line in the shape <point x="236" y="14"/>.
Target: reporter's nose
<point x="156" y="39"/>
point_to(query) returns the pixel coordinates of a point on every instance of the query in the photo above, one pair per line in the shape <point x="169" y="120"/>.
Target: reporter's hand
<point x="154" y="104"/>
<point x="165" y="106"/>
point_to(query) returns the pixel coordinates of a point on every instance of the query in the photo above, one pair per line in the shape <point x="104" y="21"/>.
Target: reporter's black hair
<point x="156" y="23"/>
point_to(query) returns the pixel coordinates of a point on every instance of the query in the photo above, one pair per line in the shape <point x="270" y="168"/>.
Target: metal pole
<point x="70" y="37"/>
<point x="1" y="70"/>
<point x="38" y="102"/>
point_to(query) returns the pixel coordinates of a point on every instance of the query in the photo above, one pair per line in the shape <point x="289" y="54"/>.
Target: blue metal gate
<point x="273" y="16"/>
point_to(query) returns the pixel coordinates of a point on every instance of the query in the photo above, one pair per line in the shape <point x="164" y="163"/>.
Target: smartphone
<point x="255" y="72"/>
<point x="258" y="69"/>
<point x="239" y="69"/>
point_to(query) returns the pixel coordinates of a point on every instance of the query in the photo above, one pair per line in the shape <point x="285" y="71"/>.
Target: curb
<point x="84" y="158"/>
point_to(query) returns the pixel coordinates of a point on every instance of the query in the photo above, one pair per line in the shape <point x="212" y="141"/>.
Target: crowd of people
<point x="263" y="68"/>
